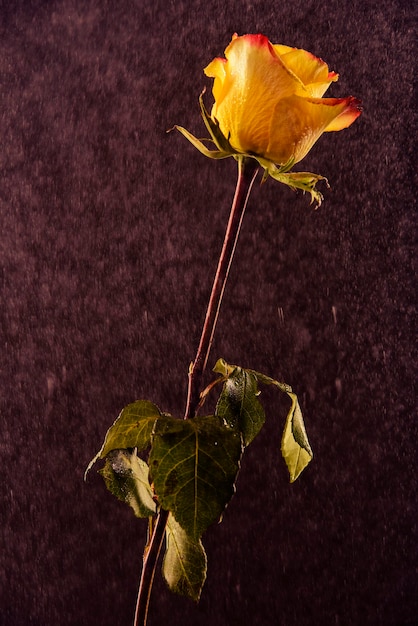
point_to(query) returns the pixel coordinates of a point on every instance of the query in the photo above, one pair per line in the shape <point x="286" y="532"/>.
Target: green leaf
<point x="238" y="404"/>
<point x="126" y="477"/>
<point x="193" y="465"/>
<point x="295" y="446"/>
<point x="132" y="429"/>
<point x="296" y="450"/>
<point x="185" y="563"/>
<point x="223" y="368"/>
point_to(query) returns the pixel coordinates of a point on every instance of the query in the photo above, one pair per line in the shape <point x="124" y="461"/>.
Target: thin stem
<point x="148" y="568"/>
<point x="247" y="171"/>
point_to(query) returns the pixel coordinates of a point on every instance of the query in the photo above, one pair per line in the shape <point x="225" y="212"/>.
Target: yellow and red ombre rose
<point x="269" y="107"/>
<point x="268" y="99"/>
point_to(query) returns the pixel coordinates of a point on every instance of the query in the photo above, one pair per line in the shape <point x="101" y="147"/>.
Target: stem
<point x="247" y="171"/>
<point x="148" y="569"/>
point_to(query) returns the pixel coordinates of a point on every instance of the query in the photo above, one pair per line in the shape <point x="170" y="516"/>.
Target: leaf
<point x="295" y="446"/>
<point x="223" y="368"/>
<point x="126" y="477"/>
<point x="193" y="465"/>
<point x="132" y="429"/>
<point x="185" y="562"/>
<point x="296" y="450"/>
<point x="238" y="404"/>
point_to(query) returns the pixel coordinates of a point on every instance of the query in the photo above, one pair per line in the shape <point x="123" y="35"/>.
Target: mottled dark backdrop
<point x="110" y="231"/>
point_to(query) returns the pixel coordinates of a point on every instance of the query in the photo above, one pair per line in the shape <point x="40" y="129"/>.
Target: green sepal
<point x="306" y="181"/>
<point x="277" y="169"/>
<point x="126" y="477"/>
<point x="217" y="135"/>
<point x="198" y="143"/>
<point x="185" y="563"/>
<point x="193" y="467"/>
<point x="132" y="429"/>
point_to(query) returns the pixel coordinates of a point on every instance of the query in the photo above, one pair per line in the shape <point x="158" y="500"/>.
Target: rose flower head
<point x="269" y="106"/>
<point x="268" y="99"/>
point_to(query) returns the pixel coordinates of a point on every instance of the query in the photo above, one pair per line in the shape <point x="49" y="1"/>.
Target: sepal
<point x="199" y="145"/>
<point x="215" y="132"/>
<point x="306" y="181"/>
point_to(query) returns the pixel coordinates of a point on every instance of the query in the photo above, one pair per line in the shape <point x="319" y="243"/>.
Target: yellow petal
<point x="299" y="122"/>
<point x="312" y="71"/>
<point x="216" y="70"/>
<point x="347" y="117"/>
<point x="246" y="96"/>
<point x="282" y="49"/>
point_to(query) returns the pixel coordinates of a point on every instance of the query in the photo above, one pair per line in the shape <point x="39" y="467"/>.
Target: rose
<point x="269" y="107"/>
<point x="268" y="99"/>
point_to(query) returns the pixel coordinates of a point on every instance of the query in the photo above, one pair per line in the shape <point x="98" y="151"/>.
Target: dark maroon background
<point x="110" y="231"/>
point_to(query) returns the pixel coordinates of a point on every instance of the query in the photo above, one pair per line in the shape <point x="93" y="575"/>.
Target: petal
<point x="255" y="80"/>
<point x="299" y="122"/>
<point x="347" y="117"/>
<point x="281" y="49"/>
<point x="216" y="70"/>
<point x="312" y="71"/>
